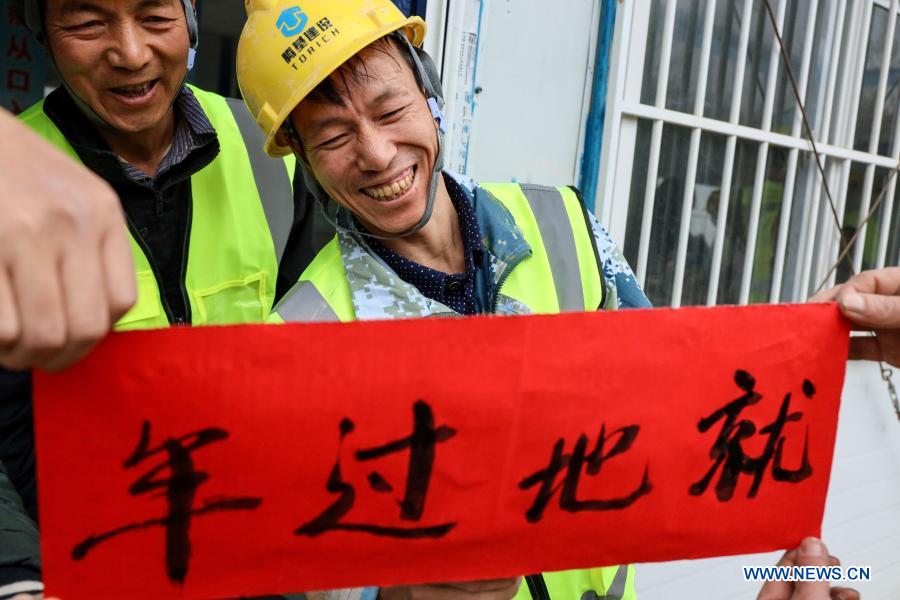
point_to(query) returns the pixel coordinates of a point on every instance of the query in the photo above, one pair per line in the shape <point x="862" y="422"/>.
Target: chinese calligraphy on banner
<point x="23" y="63"/>
<point x="220" y="462"/>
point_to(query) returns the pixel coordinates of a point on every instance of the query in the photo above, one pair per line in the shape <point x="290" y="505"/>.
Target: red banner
<point x="220" y="462"/>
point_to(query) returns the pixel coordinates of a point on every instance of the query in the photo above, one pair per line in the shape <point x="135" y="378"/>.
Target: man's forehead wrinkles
<point x="364" y="96"/>
<point x="374" y="73"/>
<point x="362" y="93"/>
<point x="156" y="4"/>
<point x="67" y="7"/>
<point x="75" y="6"/>
<point x="338" y="116"/>
<point x="386" y="94"/>
<point x="321" y="124"/>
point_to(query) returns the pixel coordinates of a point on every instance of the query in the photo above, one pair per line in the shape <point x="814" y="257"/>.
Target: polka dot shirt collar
<point x="454" y="290"/>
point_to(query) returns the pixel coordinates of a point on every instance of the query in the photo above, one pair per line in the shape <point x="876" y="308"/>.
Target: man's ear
<point x="283" y="138"/>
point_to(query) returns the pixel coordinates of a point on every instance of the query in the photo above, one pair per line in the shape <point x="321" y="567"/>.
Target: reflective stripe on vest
<point x="328" y="279"/>
<point x="563" y="249"/>
<point x="599" y="583"/>
<point x="617" y="588"/>
<point x="566" y="257"/>
<point x="232" y="263"/>
<point x="275" y="190"/>
<point x="559" y="241"/>
<point x="304" y="304"/>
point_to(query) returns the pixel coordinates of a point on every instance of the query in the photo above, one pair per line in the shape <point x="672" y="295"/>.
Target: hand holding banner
<point x="220" y="462"/>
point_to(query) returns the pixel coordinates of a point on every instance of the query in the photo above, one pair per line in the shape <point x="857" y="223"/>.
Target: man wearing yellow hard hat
<point x="345" y="87"/>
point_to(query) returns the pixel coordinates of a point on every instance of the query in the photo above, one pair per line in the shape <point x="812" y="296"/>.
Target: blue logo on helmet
<point x="292" y="21"/>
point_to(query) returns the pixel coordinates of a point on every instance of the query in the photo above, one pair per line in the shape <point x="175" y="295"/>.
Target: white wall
<point x="534" y="70"/>
<point x="862" y="511"/>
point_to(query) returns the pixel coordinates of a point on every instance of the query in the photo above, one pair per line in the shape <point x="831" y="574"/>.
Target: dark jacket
<point x="19" y="548"/>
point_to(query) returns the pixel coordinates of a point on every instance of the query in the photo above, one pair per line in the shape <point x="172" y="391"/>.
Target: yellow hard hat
<point x="288" y="47"/>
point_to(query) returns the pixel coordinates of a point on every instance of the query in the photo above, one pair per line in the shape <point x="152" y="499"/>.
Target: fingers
<point x="870" y="311"/>
<point x="788" y="559"/>
<point x="828" y="295"/>
<point x="843" y="593"/>
<point x="490" y="585"/>
<point x="812" y="553"/>
<point x="66" y="269"/>
<point x="870" y="300"/>
<point x="885" y="282"/>
<point x="61" y="304"/>
<point x="118" y="269"/>
<point x="38" y="298"/>
<point x="85" y="304"/>
<point x="9" y="314"/>
<point x="395" y="593"/>
<point x="779" y="590"/>
<point x="493" y="589"/>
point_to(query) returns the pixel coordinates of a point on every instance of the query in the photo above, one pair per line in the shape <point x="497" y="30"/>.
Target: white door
<point x="517" y="77"/>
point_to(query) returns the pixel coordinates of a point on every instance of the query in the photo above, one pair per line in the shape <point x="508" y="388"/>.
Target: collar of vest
<point x="371" y="281"/>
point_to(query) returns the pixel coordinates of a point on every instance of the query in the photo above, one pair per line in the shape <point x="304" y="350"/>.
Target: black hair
<point x="354" y="69"/>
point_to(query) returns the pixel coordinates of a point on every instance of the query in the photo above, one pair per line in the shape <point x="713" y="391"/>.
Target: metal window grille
<point x="707" y="177"/>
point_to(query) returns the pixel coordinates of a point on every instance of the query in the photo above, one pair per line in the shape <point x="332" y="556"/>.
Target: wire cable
<point x="886" y="372"/>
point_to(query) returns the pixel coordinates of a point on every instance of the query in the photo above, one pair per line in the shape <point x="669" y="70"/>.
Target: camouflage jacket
<point x="379" y="293"/>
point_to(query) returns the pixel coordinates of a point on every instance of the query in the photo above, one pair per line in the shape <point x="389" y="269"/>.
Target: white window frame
<point x="819" y="235"/>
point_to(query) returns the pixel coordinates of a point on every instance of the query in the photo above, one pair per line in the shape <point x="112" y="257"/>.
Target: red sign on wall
<point x="221" y="462"/>
<point x="23" y="62"/>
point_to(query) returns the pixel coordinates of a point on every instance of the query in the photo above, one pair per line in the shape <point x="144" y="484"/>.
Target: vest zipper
<point x="182" y="282"/>
<point x="537" y="587"/>
<point x="503" y="279"/>
<point x="150" y="261"/>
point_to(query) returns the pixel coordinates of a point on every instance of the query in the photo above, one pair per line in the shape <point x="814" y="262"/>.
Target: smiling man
<point x="359" y="104"/>
<point x="128" y="90"/>
<point x="212" y="220"/>
<point x="185" y="162"/>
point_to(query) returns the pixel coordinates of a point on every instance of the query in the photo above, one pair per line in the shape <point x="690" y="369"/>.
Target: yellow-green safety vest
<point x="553" y="222"/>
<point x="563" y="252"/>
<point x="240" y="217"/>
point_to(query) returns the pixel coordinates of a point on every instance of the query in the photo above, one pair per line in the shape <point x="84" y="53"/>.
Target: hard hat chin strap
<point x="84" y="107"/>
